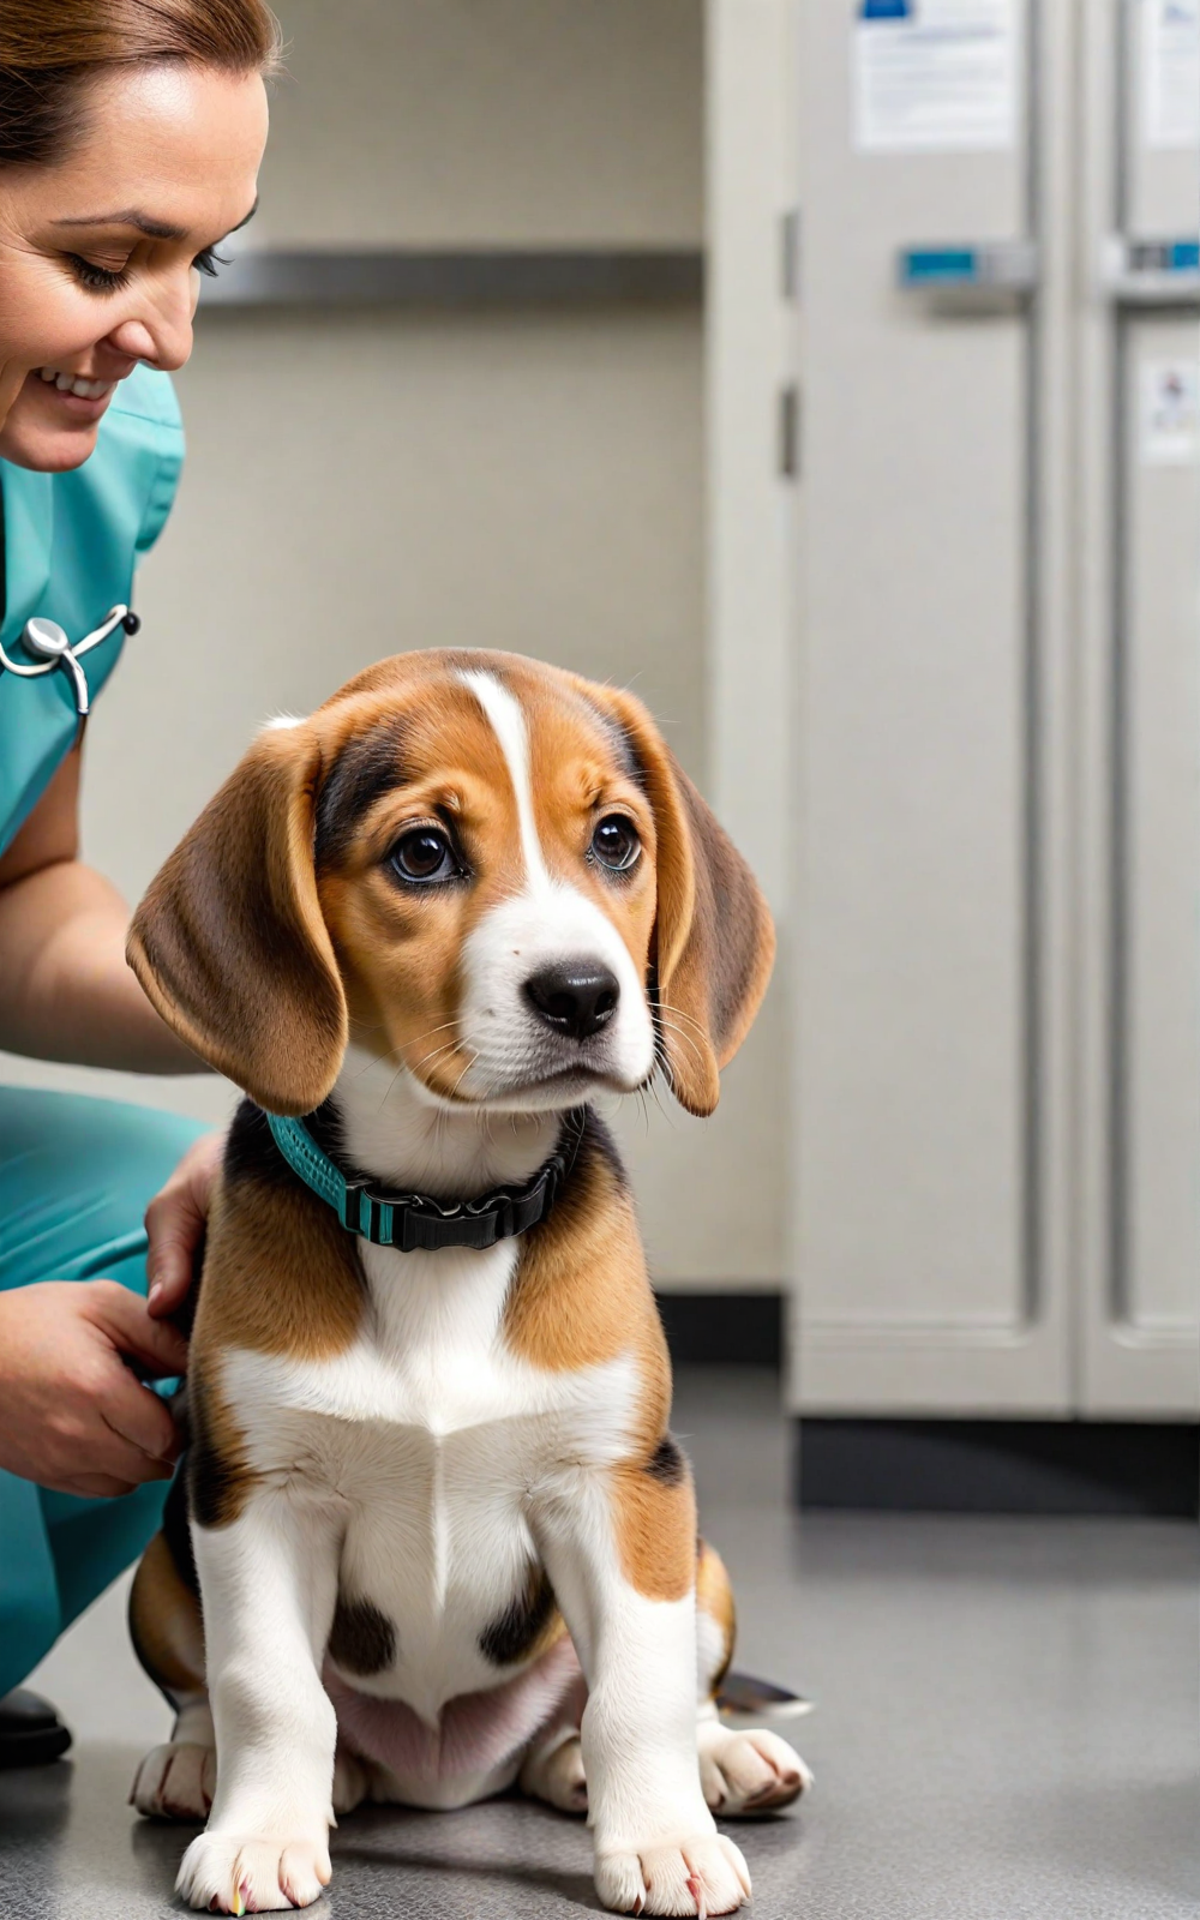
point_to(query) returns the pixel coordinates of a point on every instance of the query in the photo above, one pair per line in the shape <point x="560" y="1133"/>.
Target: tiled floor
<point x="1006" y="1729"/>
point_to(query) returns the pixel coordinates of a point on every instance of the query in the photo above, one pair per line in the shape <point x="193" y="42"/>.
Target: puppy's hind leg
<point x="742" y="1771"/>
<point x="175" y="1781"/>
<point x="352" y="1780"/>
<point x="552" y="1769"/>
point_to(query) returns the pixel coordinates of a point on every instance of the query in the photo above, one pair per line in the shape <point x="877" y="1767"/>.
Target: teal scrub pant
<point x="76" y="1176"/>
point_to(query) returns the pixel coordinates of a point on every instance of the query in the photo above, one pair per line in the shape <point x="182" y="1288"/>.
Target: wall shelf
<point x="474" y="278"/>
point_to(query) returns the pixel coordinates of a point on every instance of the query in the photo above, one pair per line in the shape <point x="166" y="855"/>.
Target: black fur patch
<point x="511" y="1637"/>
<point x="362" y="1640"/>
<point x="366" y="768"/>
<point x="621" y="741"/>
<point x="326" y="1127"/>
<point x="251" y="1153"/>
<point x="175" y="1526"/>
<point x="668" y="1462"/>
<point x="212" y="1485"/>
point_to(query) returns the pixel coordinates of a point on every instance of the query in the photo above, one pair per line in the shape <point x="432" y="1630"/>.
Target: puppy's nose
<point x="575" y="997"/>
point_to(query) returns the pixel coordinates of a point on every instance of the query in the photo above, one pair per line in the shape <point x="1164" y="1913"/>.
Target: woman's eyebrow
<point x="144" y="223"/>
<point x="128" y="217"/>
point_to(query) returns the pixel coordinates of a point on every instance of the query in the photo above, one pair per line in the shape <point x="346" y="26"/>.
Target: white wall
<point x="361" y="483"/>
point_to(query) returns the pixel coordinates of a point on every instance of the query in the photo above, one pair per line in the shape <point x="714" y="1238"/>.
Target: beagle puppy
<point x="438" y="1539"/>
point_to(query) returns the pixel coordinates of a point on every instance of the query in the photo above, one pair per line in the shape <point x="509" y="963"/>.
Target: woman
<point x="130" y="138"/>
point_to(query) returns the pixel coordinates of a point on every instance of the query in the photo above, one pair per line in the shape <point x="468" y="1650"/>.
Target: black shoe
<point x="31" y="1733"/>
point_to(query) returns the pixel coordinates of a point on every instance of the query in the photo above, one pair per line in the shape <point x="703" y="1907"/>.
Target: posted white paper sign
<point x="934" y="75"/>
<point x="1170" y="412"/>
<point x="1171" y="65"/>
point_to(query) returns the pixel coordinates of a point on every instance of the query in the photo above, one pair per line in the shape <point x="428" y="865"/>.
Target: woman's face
<point x="99" y="253"/>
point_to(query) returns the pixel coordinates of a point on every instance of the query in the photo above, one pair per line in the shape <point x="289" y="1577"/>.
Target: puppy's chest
<point x="429" y="1419"/>
<point x="430" y="1379"/>
<point x="433" y="1442"/>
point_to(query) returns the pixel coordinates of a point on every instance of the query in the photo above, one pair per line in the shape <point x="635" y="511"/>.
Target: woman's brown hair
<point x="49" y="50"/>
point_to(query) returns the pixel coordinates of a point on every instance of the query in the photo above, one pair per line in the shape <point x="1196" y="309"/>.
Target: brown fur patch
<point x="656" y="1531"/>
<point x="714" y="1596"/>
<point x="228" y="941"/>
<point x="281" y="1274"/>
<point x="165" y="1623"/>
<point x="581" y="1294"/>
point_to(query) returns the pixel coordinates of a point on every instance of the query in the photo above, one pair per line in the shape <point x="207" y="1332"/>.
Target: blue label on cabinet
<point x="922" y="266"/>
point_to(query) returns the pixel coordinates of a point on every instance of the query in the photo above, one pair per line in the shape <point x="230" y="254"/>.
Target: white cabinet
<point x="995" y="915"/>
<point x="1141" y="760"/>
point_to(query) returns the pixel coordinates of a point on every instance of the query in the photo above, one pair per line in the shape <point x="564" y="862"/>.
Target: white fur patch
<point x="710" y="1650"/>
<point x="393" y="1126"/>
<point x="508" y="725"/>
<point x="280" y="722"/>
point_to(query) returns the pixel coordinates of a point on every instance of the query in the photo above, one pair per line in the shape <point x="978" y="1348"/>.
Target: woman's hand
<point x="175" y="1222"/>
<point x="72" y="1415"/>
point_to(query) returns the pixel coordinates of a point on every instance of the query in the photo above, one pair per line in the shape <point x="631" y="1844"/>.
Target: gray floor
<point x="1006" y="1729"/>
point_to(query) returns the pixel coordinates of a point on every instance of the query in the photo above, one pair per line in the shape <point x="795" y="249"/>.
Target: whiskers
<point x="392" y="1053"/>
<point x="670" y="1019"/>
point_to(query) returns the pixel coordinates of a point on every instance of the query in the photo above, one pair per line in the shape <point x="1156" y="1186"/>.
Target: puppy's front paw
<point x="703" y="1876"/>
<point x="176" y="1782"/>
<point x="750" y="1772"/>
<point x="233" y="1873"/>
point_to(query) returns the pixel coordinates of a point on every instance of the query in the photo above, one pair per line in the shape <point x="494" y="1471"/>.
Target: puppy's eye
<point x="615" y="843"/>
<point x="424" y="855"/>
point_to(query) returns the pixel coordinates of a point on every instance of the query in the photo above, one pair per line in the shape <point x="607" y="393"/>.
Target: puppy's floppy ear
<point x="230" y="944"/>
<point x="714" y="940"/>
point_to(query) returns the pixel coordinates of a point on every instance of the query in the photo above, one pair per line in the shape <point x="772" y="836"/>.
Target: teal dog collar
<point x="412" y="1221"/>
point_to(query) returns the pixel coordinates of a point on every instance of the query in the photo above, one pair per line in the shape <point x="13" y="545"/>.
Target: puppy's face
<point x="486" y="866"/>
<point x="487" y="871"/>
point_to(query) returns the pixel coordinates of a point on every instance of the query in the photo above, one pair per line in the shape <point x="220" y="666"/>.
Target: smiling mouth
<point x="75" y="385"/>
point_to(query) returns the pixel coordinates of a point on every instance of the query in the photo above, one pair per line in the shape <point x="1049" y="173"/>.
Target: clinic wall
<point x="487" y="122"/>
<point x="363" y="483"/>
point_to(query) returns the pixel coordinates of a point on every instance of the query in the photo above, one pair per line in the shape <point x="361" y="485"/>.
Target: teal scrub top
<point x="71" y="543"/>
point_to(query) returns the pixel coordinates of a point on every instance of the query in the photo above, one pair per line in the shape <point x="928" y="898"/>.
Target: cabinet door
<point x="928" y="1082"/>
<point x="1142" y="1274"/>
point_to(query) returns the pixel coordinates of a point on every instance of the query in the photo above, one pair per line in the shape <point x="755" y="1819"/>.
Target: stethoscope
<point x="46" y="639"/>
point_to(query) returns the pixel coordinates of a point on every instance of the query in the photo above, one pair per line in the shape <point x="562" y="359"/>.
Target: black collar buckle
<point x="412" y="1222"/>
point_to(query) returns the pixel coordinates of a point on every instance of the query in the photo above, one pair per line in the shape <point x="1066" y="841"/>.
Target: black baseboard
<point x="1000" y="1466"/>
<point x="734" y="1329"/>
